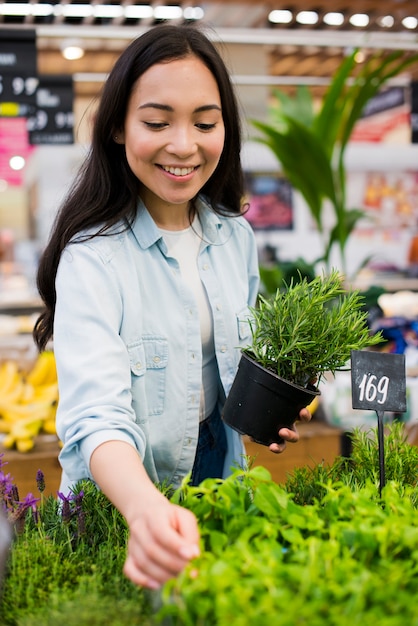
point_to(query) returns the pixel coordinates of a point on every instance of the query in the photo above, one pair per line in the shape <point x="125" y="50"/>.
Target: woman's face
<point x="174" y="135"/>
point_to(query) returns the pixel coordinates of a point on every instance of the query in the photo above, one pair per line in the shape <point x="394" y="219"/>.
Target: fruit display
<point x="28" y="401"/>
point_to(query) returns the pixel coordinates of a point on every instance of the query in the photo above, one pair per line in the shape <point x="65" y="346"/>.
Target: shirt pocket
<point x="243" y="326"/>
<point x="148" y="359"/>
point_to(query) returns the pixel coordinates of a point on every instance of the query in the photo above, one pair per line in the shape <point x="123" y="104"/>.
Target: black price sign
<point x="18" y="74"/>
<point x="53" y="121"/>
<point x="378" y="381"/>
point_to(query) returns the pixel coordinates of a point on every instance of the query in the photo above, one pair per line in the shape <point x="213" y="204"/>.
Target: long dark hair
<point x="105" y="190"/>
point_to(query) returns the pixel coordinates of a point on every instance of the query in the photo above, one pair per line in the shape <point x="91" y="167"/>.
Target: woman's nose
<point x="182" y="142"/>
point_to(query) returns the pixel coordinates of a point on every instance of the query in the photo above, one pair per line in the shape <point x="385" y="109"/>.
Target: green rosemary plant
<point x="309" y="329"/>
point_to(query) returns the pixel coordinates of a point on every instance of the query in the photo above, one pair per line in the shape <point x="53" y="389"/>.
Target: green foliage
<point x="310" y="145"/>
<point x="311" y="552"/>
<point x="309" y="328"/>
<point x="308" y="484"/>
<point x="320" y="563"/>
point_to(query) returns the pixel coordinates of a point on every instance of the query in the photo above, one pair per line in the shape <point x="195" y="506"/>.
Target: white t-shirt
<point x="184" y="246"/>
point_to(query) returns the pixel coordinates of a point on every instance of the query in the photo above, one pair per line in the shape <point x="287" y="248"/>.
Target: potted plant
<point x="298" y="335"/>
<point x="310" y="142"/>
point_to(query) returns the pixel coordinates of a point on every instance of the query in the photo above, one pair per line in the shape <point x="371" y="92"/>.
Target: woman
<point x="147" y="279"/>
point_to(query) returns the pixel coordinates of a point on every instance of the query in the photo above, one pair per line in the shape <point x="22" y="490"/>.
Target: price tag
<point x="378" y="381"/>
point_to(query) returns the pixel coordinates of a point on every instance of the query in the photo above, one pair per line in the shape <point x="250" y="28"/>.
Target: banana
<point x="44" y="369"/>
<point x="25" y="445"/>
<point x="10" y="379"/>
<point x="15" y="412"/>
<point x="24" y="429"/>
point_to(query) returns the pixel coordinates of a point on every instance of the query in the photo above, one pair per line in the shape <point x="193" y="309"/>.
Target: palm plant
<point x="311" y="145"/>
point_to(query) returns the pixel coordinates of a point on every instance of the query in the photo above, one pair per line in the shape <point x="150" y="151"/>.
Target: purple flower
<point x="40" y="481"/>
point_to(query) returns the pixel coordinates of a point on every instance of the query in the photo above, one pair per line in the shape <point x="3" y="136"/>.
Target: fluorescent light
<point x="73" y="10"/>
<point x="168" y="12"/>
<point x="359" y="19"/>
<point x="108" y="10"/>
<point x="307" y="17"/>
<point x="333" y="19"/>
<point x="138" y="11"/>
<point x="17" y="8"/>
<point x="280" y="16"/>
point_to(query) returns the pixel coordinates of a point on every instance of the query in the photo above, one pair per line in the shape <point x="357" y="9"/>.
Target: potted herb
<point x="298" y="335"/>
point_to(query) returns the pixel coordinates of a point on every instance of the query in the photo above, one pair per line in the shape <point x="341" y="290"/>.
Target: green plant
<point x="310" y="145"/>
<point x="266" y="550"/>
<point x="308" y="329"/>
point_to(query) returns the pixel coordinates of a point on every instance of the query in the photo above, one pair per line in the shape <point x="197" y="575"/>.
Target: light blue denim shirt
<point x="128" y="346"/>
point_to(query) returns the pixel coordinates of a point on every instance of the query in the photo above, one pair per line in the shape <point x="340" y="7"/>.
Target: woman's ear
<point x="119" y="137"/>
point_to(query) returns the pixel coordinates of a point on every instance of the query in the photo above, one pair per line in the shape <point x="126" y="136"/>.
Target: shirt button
<point x="205" y="266"/>
<point x="138" y="365"/>
<point x="156" y="359"/>
<point x="219" y="307"/>
<point x="223" y="348"/>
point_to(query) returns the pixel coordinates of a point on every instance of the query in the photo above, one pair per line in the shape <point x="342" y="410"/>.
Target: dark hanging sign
<point x="18" y="72"/>
<point x="53" y="122"/>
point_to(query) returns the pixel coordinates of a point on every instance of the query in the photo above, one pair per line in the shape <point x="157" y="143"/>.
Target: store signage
<point x="18" y="72"/>
<point x="378" y="381"/>
<point x="53" y="121"/>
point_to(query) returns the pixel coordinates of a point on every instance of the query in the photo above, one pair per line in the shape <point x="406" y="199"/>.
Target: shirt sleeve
<point x="95" y="403"/>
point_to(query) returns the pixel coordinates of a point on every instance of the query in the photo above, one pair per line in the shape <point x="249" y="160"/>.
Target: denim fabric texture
<point x="128" y="344"/>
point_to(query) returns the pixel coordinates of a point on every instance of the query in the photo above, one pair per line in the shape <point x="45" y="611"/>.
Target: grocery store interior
<point x="268" y="46"/>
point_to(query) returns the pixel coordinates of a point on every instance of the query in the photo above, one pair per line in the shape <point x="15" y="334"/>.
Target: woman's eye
<point x="155" y="125"/>
<point x="205" y="126"/>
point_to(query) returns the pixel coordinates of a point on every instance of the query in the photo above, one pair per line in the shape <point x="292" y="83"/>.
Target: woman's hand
<point x="163" y="539"/>
<point x="290" y="435"/>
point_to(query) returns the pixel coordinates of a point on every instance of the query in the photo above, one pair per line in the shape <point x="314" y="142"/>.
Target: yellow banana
<point x="43" y="370"/>
<point x="25" y="445"/>
<point x="15" y="412"/>
<point x="11" y="382"/>
<point x="47" y="392"/>
<point x="23" y="429"/>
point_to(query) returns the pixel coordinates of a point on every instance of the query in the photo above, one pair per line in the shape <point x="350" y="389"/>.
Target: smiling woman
<point x="147" y="281"/>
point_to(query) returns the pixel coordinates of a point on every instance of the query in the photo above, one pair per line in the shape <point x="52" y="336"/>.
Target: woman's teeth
<point x="178" y="171"/>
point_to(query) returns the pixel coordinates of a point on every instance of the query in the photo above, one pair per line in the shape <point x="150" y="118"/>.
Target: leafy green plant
<point x="266" y="550"/>
<point x="310" y="144"/>
<point x="308" y="329"/>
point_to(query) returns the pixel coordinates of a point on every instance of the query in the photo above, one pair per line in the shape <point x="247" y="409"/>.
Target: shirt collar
<point x="147" y="232"/>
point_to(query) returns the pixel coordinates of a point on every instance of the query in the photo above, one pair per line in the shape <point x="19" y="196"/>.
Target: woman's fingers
<point x="160" y="546"/>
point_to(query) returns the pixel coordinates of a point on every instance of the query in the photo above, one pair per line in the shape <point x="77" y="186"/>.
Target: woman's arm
<point x="163" y="537"/>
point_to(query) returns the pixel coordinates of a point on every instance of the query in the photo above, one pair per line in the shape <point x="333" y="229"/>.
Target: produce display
<point x="28" y="401"/>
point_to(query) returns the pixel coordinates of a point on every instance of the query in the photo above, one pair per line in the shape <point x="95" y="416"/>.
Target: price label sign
<point x="378" y="381"/>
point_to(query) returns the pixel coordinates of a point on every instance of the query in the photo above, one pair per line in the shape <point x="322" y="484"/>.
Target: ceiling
<point x="292" y="53"/>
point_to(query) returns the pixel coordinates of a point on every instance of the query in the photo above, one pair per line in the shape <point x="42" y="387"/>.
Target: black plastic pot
<point x="260" y="402"/>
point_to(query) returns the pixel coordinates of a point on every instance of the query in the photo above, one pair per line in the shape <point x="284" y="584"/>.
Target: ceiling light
<point x="107" y="11"/>
<point x="138" y="11"/>
<point x="17" y="163"/>
<point x="280" y="17"/>
<point x="193" y="13"/>
<point x="73" y="10"/>
<point x="359" y="19"/>
<point x="387" y="21"/>
<point x="410" y="22"/>
<point x="72" y="50"/>
<point x="333" y="19"/>
<point x="307" y="17"/>
<point x="168" y="12"/>
<point x="17" y="8"/>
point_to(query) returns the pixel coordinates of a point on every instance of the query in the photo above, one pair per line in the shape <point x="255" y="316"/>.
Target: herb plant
<point x="309" y="328"/>
<point x="313" y="557"/>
